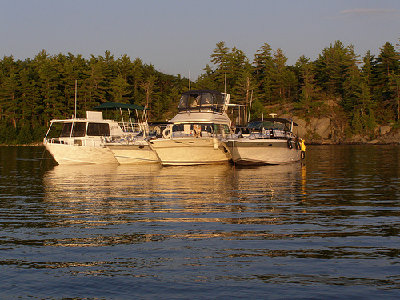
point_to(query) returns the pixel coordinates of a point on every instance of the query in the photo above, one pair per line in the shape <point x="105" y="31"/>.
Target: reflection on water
<point x="216" y="193"/>
<point x="316" y="230"/>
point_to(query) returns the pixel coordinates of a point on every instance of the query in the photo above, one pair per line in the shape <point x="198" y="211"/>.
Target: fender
<point x="167" y="132"/>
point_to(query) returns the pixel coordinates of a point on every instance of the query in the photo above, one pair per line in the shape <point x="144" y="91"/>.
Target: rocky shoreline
<point x="325" y="131"/>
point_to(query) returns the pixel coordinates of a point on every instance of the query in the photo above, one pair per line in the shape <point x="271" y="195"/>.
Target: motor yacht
<point x="94" y="140"/>
<point x="81" y="140"/>
<point x="268" y="141"/>
<point x="195" y="135"/>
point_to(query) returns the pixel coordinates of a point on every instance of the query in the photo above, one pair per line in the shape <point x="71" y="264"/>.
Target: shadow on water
<point x="324" y="228"/>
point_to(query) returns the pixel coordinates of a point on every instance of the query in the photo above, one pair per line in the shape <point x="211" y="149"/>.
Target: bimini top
<point x="115" y="105"/>
<point x="201" y="100"/>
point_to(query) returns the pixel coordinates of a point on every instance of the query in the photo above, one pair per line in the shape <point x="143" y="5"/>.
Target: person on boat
<point x="197" y="130"/>
<point x="302" y="148"/>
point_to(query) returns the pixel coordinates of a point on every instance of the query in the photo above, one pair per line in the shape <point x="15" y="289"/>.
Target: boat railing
<point x="87" y="141"/>
<point x="202" y="134"/>
<point x="179" y="134"/>
<point x="132" y="127"/>
<point x="54" y="141"/>
<point x="124" y="139"/>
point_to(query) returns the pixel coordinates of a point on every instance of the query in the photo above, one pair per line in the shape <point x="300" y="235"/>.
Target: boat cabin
<point x="203" y="100"/>
<point x="77" y="131"/>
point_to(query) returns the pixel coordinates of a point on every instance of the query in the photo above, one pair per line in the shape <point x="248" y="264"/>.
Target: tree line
<point x="359" y="92"/>
<point x="362" y="92"/>
<point x="34" y="91"/>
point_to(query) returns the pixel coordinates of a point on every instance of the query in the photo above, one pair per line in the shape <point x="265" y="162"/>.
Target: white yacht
<point x="94" y="140"/>
<point x="81" y="140"/>
<point x="194" y="136"/>
<point x="269" y="141"/>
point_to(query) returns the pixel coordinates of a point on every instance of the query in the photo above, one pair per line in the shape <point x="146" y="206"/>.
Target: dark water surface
<point x="327" y="229"/>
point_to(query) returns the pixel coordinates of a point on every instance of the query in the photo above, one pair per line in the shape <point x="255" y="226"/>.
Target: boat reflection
<point x="270" y="179"/>
<point x="79" y="183"/>
<point x="133" y="185"/>
<point x="180" y="196"/>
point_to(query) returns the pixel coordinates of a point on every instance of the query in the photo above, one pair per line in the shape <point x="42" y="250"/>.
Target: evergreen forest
<point x="361" y="92"/>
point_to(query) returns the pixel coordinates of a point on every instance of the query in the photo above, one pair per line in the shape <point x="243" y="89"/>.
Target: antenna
<point x="76" y="86"/>
<point x="189" y="79"/>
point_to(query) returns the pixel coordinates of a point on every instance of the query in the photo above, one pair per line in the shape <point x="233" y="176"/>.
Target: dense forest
<point x="361" y="92"/>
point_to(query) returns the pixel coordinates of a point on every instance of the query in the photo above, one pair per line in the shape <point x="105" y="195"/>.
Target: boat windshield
<point x="199" y="130"/>
<point x="259" y="125"/>
<point x="79" y="129"/>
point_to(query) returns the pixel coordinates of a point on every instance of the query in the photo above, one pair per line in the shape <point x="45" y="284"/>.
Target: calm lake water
<point x="325" y="229"/>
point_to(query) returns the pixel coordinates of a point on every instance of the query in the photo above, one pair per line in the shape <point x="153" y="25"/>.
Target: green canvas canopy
<point x="115" y="105"/>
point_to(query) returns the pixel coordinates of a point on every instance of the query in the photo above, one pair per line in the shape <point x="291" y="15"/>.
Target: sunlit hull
<point x="190" y="151"/>
<point x="133" y="154"/>
<point x="263" y="151"/>
<point x="75" y="154"/>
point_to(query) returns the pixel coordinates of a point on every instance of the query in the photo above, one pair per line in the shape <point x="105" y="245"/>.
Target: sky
<point x="178" y="36"/>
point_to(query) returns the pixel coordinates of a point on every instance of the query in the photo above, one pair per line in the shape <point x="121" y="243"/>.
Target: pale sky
<point x="178" y="36"/>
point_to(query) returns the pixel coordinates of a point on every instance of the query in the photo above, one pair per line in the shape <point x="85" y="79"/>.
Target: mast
<point x="76" y="87"/>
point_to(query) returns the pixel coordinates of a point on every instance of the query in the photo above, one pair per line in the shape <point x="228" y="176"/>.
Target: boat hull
<point x="76" y="154"/>
<point x="133" y="154"/>
<point x="190" y="151"/>
<point x="247" y="151"/>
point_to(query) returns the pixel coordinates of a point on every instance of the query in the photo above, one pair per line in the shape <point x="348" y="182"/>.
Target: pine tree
<point x="280" y="77"/>
<point x="309" y="95"/>
<point x="8" y="91"/>
<point x="386" y="68"/>
<point x="263" y="66"/>
<point x="119" y="89"/>
<point x="332" y="67"/>
<point x="220" y="58"/>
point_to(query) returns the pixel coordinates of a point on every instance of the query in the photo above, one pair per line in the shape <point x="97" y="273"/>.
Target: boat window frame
<point x="66" y="130"/>
<point x="81" y="131"/>
<point x="91" y="129"/>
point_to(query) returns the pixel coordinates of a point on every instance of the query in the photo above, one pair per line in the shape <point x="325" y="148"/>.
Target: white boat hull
<point x="75" y="154"/>
<point x="190" y="151"/>
<point x="133" y="154"/>
<point x="263" y="151"/>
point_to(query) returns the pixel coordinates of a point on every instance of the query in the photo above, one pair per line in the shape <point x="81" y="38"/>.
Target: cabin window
<point x="98" y="129"/>
<point x="66" y="130"/>
<point x="177" y="127"/>
<point x="79" y="129"/>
